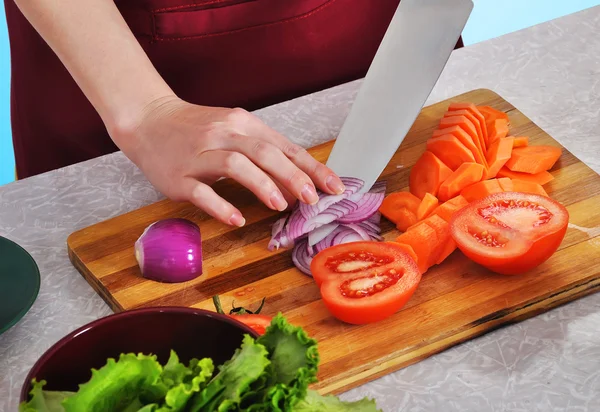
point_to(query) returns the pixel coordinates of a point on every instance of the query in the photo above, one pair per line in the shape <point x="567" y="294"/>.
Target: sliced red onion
<point x="325" y="200"/>
<point x="361" y="232"/>
<point x="276" y="233"/>
<point x="367" y="206"/>
<point x="321" y="233"/>
<point x="301" y="258"/>
<point x="170" y="250"/>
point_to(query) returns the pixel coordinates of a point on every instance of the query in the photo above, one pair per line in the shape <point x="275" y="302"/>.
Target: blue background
<point x="490" y="18"/>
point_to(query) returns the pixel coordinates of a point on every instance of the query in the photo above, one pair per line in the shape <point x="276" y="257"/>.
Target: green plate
<point x="19" y="283"/>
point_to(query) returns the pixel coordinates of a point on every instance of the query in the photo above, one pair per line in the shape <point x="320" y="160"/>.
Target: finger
<point x="323" y="177"/>
<point x="289" y="198"/>
<point x="239" y="168"/>
<point x="205" y="198"/>
<point x="270" y="159"/>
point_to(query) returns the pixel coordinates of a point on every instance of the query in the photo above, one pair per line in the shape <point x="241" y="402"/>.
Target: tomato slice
<point x="257" y="322"/>
<point x="510" y="233"/>
<point x="364" y="282"/>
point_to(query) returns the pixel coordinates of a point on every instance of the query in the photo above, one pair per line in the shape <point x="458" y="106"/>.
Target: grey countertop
<point x="551" y="72"/>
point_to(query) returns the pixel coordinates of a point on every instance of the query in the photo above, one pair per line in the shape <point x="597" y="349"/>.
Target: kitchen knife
<point x="408" y="63"/>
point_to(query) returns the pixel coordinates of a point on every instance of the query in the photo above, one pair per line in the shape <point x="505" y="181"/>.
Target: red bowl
<point x="191" y="333"/>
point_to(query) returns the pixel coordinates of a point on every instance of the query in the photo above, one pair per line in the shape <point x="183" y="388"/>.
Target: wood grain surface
<point x="455" y="301"/>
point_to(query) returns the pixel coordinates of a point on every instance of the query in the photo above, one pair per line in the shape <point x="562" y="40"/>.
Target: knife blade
<point x="415" y="49"/>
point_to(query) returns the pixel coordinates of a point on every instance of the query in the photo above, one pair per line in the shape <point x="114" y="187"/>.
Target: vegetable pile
<point x="271" y="373"/>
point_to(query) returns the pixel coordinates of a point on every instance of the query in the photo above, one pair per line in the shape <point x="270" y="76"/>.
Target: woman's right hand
<point x="183" y="148"/>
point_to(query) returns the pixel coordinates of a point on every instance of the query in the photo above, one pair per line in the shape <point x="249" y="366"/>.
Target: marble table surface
<point x="551" y="362"/>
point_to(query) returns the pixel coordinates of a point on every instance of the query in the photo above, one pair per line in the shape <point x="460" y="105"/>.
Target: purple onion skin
<point x="170" y="251"/>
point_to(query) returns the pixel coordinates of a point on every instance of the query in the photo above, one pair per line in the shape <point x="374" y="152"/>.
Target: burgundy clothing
<point x="245" y="53"/>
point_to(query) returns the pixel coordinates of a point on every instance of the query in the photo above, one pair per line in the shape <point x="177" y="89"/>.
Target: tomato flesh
<point x="510" y="233"/>
<point x="258" y="323"/>
<point x="365" y="282"/>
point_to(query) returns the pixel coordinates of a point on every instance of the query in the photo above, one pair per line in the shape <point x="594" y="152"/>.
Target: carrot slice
<point x="474" y="121"/>
<point x="468" y="127"/>
<point x="521" y="141"/>
<point x="475" y="112"/>
<point x="497" y="130"/>
<point x="410" y="251"/>
<point x="528" y="187"/>
<point x="481" y="189"/>
<point x="463" y="137"/>
<point x="428" y="205"/>
<point x="533" y="159"/>
<point x="442" y="230"/>
<point x="540" y="178"/>
<point x="506" y="184"/>
<point x="405" y="219"/>
<point x="465" y="175"/>
<point x="450" y="151"/>
<point x="427" y="175"/>
<point x="393" y="205"/>
<point x="447" y="250"/>
<point x="492" y="114"/>
<point x="500" y="152"/>
<point x="447" y="209"/>
<point x="423" y="240"/>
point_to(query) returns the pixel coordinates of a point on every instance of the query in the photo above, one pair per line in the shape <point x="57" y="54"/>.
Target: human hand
<point x="183" y="148"/>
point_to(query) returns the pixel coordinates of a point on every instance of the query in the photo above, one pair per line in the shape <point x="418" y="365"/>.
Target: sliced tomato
<point x="365" y="282"/>
<point x="510" y="233"/>
<point x="257" y="322"/>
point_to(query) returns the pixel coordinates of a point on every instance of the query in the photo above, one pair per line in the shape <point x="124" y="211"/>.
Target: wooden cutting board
<point x="454" y="302"/>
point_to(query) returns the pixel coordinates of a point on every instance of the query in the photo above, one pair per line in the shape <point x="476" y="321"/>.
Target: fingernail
<point x="309" y="195"/>
<point x="278" y="201"/>
<point x="237" y="220"/>
<point x="335" y="184"/>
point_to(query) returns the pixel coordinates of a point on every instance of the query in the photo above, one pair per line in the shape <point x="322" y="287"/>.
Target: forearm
<point x="97" y="47"/>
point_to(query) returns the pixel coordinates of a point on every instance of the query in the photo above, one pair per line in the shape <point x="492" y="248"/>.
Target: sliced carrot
<point x="497" y="129"/>
<point x="481" y="189"/>
<point x="442" y="230"/>
<point x="533" y="159"/>
<point x="447" y="250"/>
<point x="450" y="151"/>
<point x="423" y="240"/>
<point x="428" y="205"/>
<point x="405" y="219"/>
<point x="467" y="126"/>
<point x="521" y="141"/>
<point x="447" y="209"/>
<point x="465" y="175"/>
<point x="492" y="114"/>
<point x="463" y="137"/>
<point x="410" y="251"/>
<point x="427" y="175"/>
<point x="500" y="152"/>
<point x="394" y="202"/>
<point x="540" y="178"/>
<point x="475" y="112"/>
<point x="475" y="121"/>
<point x="528" y="187"/>
<point x="506" y="184"/>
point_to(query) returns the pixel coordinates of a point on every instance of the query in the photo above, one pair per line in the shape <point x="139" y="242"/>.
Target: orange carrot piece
<point x="394" y="203"/>
<point x="428" y="205"/>
<point x="468" y="127"/>
<point x="405" y="219"/>
<point x="475" y="112"/>
<point x="500" y="152"/>
<point x="521" y="141"/>
<point x="408" y="249"/>
<point x="481" y="189"/>
<point x="528" y="187"/>
<point x="497" y="129"/>
<point x="465" y="175"/>
<point x="492" y="114"/>
<point x="442" y="230"/>
<point x="447" y="209"/>
<point x="450" y="151"/>
<point x="474" y="121"/>
<point x="427" y="175"/>
<point x="506" y="184"/>
<point x="533" y="159"/>
<point x="423" y="240"/>
<point x="447" y="250"/>
<point x="462" y="137"/>
<point x="540" y="178"/>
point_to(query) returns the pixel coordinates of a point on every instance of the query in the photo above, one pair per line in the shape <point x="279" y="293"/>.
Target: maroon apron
<point x="245" y="53"/>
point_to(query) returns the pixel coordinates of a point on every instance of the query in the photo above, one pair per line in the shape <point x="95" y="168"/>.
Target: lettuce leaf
<point x="313" y="402"/>
<point x="224" y="392"/>
<point x="178" y="396"/>
<point x="44" y="401"/>
<point x="117" y="384"/>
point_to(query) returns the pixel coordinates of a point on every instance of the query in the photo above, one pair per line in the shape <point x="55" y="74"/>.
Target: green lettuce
<point x="44" y="401"/>
<point x="313" y="402"/>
